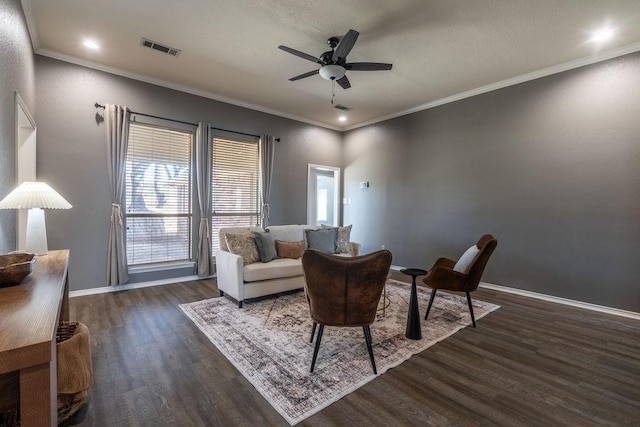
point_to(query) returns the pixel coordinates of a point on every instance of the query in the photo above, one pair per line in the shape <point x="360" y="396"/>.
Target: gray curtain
<point x="203" y="185"/>
<point x="267" y="154"/>
<point x="116" y="120"/>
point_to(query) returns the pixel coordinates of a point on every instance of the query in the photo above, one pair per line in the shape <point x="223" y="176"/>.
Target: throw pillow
<point x="243" y="244"/>
<point x="466" y="260"/>
<point x="289" y="249"/>
<point x="323" y="240"/>
<point x="343" y="242"/>
<point x="266" y="246"/>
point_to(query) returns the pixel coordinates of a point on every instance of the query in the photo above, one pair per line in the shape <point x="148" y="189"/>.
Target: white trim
<point x="109" y="289"/>
<point x="614" y="53"/>
<point x="150" y="268"/>
<point x="312" y="196"/>
<point x="602" y="56"/>
<point x="27" y="8"/>
<point x="485" y="285"/>
<point x="178" y="87"/>
<point x="564" y="301"/>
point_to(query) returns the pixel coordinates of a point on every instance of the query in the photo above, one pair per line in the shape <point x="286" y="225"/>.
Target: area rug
<point x="268" y="342"/>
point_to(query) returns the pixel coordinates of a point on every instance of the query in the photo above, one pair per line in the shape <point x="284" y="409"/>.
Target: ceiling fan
<point x="333" y="64"/>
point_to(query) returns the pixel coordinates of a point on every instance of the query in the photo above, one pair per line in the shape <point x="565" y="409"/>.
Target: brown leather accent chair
<point x="443" y="276"/>
<point x="344" y="291"/>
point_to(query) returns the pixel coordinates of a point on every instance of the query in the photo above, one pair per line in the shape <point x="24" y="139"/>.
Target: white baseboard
<point x="565" y="301"/>
<point x="107" y="289"/>
<point x="521" y="292"/>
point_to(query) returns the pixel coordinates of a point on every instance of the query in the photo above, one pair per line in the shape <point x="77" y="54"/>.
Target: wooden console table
<point x="29" y="315"/>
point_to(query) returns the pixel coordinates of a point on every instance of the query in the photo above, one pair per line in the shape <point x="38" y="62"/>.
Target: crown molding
<point x="592" y="59"/>
<point x="610" y="54"/>
<point x="175" y="86"/>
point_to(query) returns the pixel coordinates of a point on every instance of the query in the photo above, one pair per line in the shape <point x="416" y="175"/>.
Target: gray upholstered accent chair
<point x="344" y="291"/>
<point x="459" y="275"/>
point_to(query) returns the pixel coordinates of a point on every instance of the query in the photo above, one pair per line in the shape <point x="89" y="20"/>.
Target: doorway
<point x="323" y="195"/>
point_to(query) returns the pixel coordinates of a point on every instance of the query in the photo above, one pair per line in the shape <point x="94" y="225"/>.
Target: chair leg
<point x="313" y="331"/>
<point x="239" y="304"/>
<point x="221" y="293"/>
<point x="433" y="296"/>
<point x="317" y="347"/>
<point x="367" y="338"/>
<point x="473" y="319"/>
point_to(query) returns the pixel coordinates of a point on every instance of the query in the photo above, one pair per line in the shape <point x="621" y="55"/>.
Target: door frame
<point x="311" y="190"/>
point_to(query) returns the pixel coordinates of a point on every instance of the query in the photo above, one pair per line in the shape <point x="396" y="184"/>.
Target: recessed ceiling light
<point x="602" y="35"/>
<point x="91" y="44"/>
<point x="342" y="118"/>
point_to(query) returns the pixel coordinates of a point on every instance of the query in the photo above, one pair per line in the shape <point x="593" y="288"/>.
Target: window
<point x="235" y="186"/>
<point x="158" y="195"/>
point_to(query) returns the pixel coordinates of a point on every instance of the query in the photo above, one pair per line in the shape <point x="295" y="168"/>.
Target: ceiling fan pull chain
<point x="333" y="90"/>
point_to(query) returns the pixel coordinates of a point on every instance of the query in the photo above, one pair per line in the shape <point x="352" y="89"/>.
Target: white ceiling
<point x="440" y="49"/>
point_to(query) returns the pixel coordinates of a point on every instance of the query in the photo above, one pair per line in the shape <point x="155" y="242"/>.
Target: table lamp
<point x="35" y="196"/>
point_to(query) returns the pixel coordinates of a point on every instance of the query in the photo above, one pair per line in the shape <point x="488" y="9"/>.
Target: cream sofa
<point x="258" y="279"/>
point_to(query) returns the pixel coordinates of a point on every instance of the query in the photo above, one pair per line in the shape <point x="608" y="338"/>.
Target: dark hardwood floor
<point x="530" y="362"/>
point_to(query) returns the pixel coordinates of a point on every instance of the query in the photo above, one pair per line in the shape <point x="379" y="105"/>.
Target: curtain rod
<point x="188" y="123"/>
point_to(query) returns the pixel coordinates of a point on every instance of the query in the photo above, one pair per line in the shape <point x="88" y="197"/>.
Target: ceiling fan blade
<point x="299" y="54"/>
<point x="302" y="76"/>
<point x="344" y="82"/>
<point x="345" y="45"/>
<point x="368" y="66"/>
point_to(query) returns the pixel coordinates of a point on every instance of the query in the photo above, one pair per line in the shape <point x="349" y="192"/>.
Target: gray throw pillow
<point x="266" y="246"/>
<point x="322" y="240"/>
<point x="343" y="241"/>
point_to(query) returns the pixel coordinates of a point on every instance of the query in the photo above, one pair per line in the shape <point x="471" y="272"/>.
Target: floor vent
<point x="160" y="47"/>
<point x="342" y="107"/>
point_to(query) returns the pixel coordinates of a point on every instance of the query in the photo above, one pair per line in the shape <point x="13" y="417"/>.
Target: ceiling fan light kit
<point x="332" y="72"/>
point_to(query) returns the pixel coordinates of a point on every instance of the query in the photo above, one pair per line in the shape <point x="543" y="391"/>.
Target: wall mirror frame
<point x="25" y="136"/>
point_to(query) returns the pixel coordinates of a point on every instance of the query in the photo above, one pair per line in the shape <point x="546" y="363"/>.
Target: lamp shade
<point x="34" y="195"/>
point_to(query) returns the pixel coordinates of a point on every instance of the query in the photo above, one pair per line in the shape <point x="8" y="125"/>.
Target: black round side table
<point x="413" y="331"/>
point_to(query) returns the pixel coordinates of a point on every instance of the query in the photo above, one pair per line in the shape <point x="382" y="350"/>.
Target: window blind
<point x="235" y="186"/>
<point x="158" y="195"/>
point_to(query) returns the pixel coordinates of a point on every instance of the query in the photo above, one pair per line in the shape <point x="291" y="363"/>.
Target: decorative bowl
<point x="14" y="268"/>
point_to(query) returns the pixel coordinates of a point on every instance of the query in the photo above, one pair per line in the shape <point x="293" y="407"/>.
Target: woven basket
<point x="70" y="402"/>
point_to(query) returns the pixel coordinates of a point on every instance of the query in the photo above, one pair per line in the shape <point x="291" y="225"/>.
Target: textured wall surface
<point x="16" y="74"/>
<point x="551" y="167"/>
<point x="73" y="154"/>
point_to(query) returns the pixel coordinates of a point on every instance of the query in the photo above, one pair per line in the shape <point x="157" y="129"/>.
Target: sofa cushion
<point x="343" y="242"/>
<point x="323" y="240"/>
<point x="286" y="233"/>
<point x="276" y="269"/>
<point x="243" y="244"/>
<point x="289" y="249"/>
<point x="223" y="231"/>
<point x="266" y="246"/>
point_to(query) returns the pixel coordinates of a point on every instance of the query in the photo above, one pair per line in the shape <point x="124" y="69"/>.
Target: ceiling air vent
<point x="342" y="107"/>
<point x="160" y="47"/>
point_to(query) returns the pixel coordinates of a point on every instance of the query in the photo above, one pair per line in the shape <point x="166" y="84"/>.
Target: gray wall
<point x="551" y="167"/>
<point x="17" y="73"/>
<point x="72" y="154"/>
